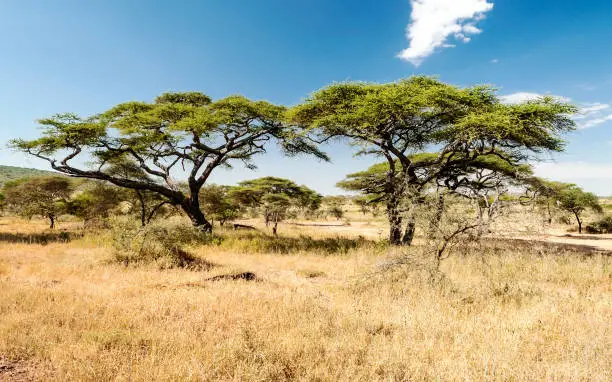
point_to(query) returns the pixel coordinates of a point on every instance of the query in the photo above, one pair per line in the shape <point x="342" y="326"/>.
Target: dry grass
<point x="66" y="313"/>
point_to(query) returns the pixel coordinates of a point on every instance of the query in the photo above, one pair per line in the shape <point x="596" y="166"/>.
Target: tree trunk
<point x="275" y="227"/>
<point x="192" y="209"/>
<point x="51" y="221"/>
<point x="395" y="223"/>
<point x="267" y="218"/>
<point x="579" y="222"/>
<point x="409" y="233"/>
<point x="143" y="209"/>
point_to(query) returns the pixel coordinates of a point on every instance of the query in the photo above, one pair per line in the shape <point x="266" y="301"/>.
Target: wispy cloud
<point x="594" y="107"/>
<point x="521" y="97"/>
<point x="595" y="121"/>
<point x="589" y="115"/>
<point x="433" y="22"/>
<point x="593" y="114"/>
<point x="494" y="61"/>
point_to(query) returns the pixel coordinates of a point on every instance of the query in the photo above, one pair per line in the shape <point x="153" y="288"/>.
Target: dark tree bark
<point x="191" y="207"/>
<point x="409" y="232"/>
<point x="579" y="222"/>
<point x="51" y="221"/>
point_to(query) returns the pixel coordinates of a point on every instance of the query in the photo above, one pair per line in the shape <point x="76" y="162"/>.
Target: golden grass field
<point x="530" y="312"/>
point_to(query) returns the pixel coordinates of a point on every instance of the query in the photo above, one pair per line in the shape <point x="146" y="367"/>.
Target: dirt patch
<point x="247" y="276"/>
<point x="15" y="371"/>
<point x="561" y="247"/>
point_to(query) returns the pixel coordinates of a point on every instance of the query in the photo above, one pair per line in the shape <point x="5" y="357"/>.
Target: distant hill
<point x="8" y="173"/>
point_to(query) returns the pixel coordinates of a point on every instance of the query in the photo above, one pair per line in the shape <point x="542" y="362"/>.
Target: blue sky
<point x="86" y="56"/>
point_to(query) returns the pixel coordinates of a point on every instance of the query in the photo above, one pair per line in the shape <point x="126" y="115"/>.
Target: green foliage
<point x="249" y="242"/>
<point x="604" y="225"/>
<point x="163" y="244"/>
<point x="44" y="196"/>
<point x="473" y="129"/>
<point x="95" y="201"/>
<point x="179" y="129"/>
<point x="335" y="205"/>
<point x="217" y="204"/>
<point x="573" y="199"/>
<point x="274" y="197"/>
<point x="415" y="112"/>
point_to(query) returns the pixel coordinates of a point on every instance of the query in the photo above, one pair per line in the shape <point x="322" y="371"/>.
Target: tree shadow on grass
<point x="551" y="247"/>
<point x="256" y="242"/>
<point x="43" y="238"/>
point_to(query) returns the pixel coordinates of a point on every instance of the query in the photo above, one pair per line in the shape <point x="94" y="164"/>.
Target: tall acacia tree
<point x="178" y="133"/>
<point x="399" y="119"/>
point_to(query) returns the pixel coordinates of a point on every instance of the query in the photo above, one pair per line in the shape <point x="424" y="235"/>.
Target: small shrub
<point x="160" y="243"/>
<point x="601" y="226"/>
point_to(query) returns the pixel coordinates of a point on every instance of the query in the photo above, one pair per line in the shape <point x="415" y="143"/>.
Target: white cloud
<point x="589" y="115"/>
<point x="595" y="121"/>
<point x="432" y="22"/>
<point x="494" y="61"/>
<point x="521" y="97"/>
<point x="592" y="114"/>
<point x="594" y="107"/>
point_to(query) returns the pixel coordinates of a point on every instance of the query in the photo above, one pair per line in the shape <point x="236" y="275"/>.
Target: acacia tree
<point x="45" y="196"/>
<point x="575" y="200"/>
<point x="148" y="203"/>
<point x="335" y="205"/>
<point x="543" y="193"/>
<point x="274" y="197"/>
<point x="95" y="201"/>
<point x="363" y="203"/>
<point x="178" y="132"/>
<point x="217" y="203"/>
<point x="396" y="120"/>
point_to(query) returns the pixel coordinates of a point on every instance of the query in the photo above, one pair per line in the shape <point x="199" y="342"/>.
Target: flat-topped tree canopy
<point x="177" y="133"/>
<point x="404" y="117"/>
<point x="400" y="119"/>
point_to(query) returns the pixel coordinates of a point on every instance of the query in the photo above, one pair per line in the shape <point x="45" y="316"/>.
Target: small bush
<point x="160" y="243"/>
<point x="602" y="226"/>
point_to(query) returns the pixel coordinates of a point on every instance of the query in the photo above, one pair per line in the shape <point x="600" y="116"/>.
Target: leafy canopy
<point x="275" y="195"/>
<point x="44" y="196"/>
<point x="399" y="119"/>
<point x="178" y="133"/>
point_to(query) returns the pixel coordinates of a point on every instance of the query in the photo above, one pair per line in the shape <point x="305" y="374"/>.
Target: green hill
<point x="8" y="173"/>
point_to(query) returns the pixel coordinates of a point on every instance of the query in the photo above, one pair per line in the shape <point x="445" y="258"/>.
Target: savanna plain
<point x="315" y="303"/>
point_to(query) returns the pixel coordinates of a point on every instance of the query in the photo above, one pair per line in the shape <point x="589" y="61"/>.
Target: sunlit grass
<point x="67" y="313"/>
